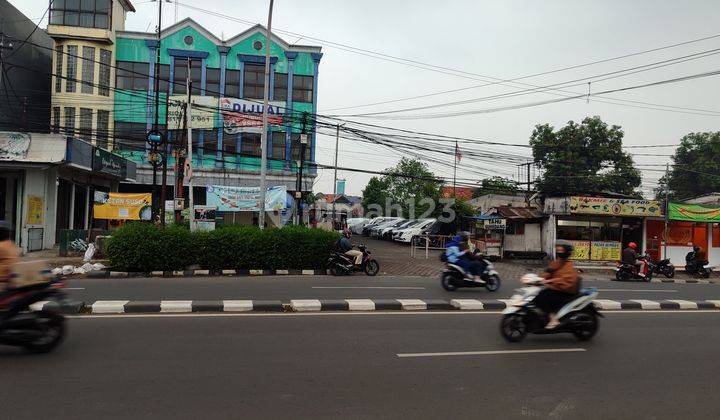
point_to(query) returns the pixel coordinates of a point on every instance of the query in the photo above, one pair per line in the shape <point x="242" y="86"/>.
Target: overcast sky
<point x="503" y="39"/>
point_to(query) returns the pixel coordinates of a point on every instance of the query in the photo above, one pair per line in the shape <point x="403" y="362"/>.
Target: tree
<point x="497" y="185"/>
<point x="583" y="158"/>
<point x="375" y="193"/>
<point x="696" y="167"/>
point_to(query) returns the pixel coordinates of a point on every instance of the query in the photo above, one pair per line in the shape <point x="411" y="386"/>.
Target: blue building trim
<point x="151" y="43"/>
<point x="271" y="94"/>
<point x="187" y="53"/>
<point x="171" y="85"/>
<point x="241" y="88"/>
<point x="203" y="76"/>
<point x="255" y="59"/>
<point x="238" y="150"/>
<point x="316" y="60"/>
<point x="291" y="55"/>
<point x="223" y="62"/>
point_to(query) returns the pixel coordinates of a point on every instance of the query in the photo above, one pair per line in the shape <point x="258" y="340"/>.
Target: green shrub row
<point x="144" y="247"/>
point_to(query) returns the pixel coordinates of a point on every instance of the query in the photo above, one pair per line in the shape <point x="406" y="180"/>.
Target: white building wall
<point x="39" y="183"/>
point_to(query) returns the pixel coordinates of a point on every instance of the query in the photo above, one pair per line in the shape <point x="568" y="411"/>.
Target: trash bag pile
<point x="67" y="270"/>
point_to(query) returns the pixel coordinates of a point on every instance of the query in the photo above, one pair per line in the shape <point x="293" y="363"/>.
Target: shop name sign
<point x="694" y="213"/>
<point x="239" y="115"/>
<point x="494" y="224"/>
<point x="107" y="163"/>
<point x="615" y="206"/>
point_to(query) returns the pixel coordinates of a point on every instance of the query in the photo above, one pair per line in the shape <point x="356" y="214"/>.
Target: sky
<point x="475" y="42"/>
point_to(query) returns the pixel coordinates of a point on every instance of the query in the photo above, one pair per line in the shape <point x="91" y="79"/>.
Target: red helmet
<point x="632" y="245"/>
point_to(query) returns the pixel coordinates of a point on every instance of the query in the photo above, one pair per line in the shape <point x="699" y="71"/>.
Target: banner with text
<point x="204" y="112"/>
<point x="122" y="206"/>
<point x="615" y="206"/>
<point x="693" y="213"/>
<point x="242" y="115"/>
<point x="245" y="198"/>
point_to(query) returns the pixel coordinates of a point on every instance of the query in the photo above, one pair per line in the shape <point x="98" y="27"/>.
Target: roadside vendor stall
<point x="487" y="235"/>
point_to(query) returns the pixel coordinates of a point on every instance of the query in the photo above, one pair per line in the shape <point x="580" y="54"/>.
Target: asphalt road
<point x="650" y="365"/>
<point x="353" y="287"/>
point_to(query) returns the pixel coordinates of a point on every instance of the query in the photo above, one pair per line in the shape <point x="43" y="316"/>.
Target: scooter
<point x="627" y="272"/>
<point x="340" y="264"/>
<point x="663" y="267"/>
<point x="37" y="331"/>
<point x="579" y="317"/>
<point x="454" y="276"/>
<point x="698" y="269"/>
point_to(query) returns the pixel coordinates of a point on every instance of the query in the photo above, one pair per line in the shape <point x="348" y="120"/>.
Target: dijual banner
<point x="122" y="206"/>
<point x="245" y="198"/>
<point x="693" y="213"/>
<point x="615" y="206"/>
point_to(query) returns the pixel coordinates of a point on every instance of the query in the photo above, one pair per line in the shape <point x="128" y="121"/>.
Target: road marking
<point x="607" y="304"/>
<point x="109" y="306"/>
<point x="647" y="304"/>
<point x="489" y="352"/>
<point x="369" y="287"/>
<point x="412" y="304"/>
<point x="175" y="306"/>
<point x="685" y="304"/>
<point x="467" y="304"/>
<point x="73" y="288"/>
<point x="638" y="290"/>
<point x="360" y="304"/>
<point x="300" y="305"/>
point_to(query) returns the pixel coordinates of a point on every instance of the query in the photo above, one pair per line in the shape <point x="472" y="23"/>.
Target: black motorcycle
<point x="663" y="267"/>
<point x="37" y="331"/>
<point x="453" y="277"/>
<point x="340" y="264"/>
<point x="698" y="269"/>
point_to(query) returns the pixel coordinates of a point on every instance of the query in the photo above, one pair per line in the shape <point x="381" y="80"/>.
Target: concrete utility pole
<point x="163" y="190"/>
<point x="188" y="159"/>
<point x="667" y="209"/>
<point x="337" y="142"/>
<point x="263" y="134"/>
<point x="301" y="163"/>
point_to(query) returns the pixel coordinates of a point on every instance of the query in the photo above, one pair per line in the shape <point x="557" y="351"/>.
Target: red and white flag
<point x="458" y="155"/>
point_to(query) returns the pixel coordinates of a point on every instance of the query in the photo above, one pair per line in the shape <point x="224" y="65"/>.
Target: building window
<point x="251" y="144"/>
<point x="302" y="88"/>
<point x="69" y="121"/>
<point x="278" y="145"/>
<point x="210" y="146"/>
<point x="88" y="70"/>
<point x="295" y="147"/>
<point x="212" y="82"/>
<point x="86" y="123"/>
<point x="56" y="119"/>
<point x="180" y="76"/>
<point x="72" y="56"/>
<point x="229" y="145"/>
<point x="253" y="81"/>
<point x="105" y="63"/>
<point x="280" y="87"/>
<point x="131" y="75"/>
<point x="515" y="228"/>
<point x="58" y="68"/>
<point x="129" y="136"/>
<point x="83" y="13"/>
<point x="164" y="77"/>
<point x="232" y="83"/>
<point x="103" y="119"/>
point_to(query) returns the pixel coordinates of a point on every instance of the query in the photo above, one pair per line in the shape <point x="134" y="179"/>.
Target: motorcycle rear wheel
<point x="513" y="327"/>
<point x="52" y="331"/>
<point x="589" y="326"/>
<point x="372" y="267"/>
<point x="493" y="283"/>
<point x="669" y="272"/>
<point x="447" y="282"/>
<point x="622" y="275"/>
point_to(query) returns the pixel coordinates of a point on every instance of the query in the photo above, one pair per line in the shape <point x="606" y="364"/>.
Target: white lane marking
<point x="176" y="306"/>
<point x="300" y="305"/>
<point x="360" y="304"/>
<point x="467" y="304"/>
<point x="607" y="304"/>
<point x="489" y="352"/>
<point x="73" y="288"/>
<point x="369" y="287"/>
<point x="109" y="306"/>
<point x="685" y="304"/>
<point x="37" y="306"/>
<point x="237" y="305"/>
<point x="647" y="304"/>
<point x="639" y="290"/>
<point x="412" y="304"/>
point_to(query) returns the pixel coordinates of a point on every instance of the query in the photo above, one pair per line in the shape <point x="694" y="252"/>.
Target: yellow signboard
<point x="605" y="251"/>
<point x="615" y="206"/>
<point x="581" y="250"/>
<point x="122" y="206"/>
<point x="35" y="210"/>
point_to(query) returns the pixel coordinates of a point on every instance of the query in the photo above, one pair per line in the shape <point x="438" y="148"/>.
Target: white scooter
<point x="578" y="317"/>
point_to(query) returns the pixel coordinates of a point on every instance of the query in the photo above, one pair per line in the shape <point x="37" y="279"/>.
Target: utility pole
<point x="667" y="208"/>
<point x="189" y="158"/>
<point x="457" y="153"/>
<point x="301" y="163"/>
<point x="156" y="124"/>
<point x="527" y="193"/>
<point x="180" y="162"/>
<point x="337" y="142"/>
<point x="263" y="134"/>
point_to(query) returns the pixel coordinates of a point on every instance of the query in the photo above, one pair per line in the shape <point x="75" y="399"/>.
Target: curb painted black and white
<point x="206" y="273"/>
<point x="684" y="281"/>
<point x="318" y="305"/>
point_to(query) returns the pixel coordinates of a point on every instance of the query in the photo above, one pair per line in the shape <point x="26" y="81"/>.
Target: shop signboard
<point x="14" y="145"/>
<point x="693" y="213"/>
<point x="495" y="224"/>
<point x="107" y="163"/>
<point x="245" y="198"/>
<point x="122" y="206"/>
<point x="615" y="206"/>
<point x="605" y="251"/>
<point x="581" y="250"/>
<point x="204" y="219"/>
<point x="242" y="115"/>
<point x="204" y="112"/>
<point x="35" y="210"/>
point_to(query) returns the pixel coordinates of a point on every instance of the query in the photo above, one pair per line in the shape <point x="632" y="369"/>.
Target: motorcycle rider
<point x="457" y="253"/>
<point x="346" y="247"/>
<point x="561" y="284"/>
<point x="630" y="256"/>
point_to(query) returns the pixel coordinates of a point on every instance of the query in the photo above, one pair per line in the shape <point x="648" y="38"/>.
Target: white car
<point x="406" y="235"/>
<point x="356" y="224"/>
<point x="374" y="222"/>
<point x="387" y="232"/>
<point x="375" y="231"/>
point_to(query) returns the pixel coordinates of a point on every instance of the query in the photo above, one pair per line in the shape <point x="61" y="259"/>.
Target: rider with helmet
<point x="630" y="257"/>
<point x="561" y="283"/>
<point x="346" y="247"/>
<point x="457" y="252"/>
<point x="696" y="258"/>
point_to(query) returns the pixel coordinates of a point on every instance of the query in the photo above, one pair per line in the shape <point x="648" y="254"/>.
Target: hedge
<point x="144" y="247"/>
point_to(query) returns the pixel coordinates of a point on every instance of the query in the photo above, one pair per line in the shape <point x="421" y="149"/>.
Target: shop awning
<point x="31" y="147"/>
<point x="519" y="213"/>
<point x="693" y="213"/>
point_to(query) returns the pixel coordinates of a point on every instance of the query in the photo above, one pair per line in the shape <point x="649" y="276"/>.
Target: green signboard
<point x="693" y="213"/>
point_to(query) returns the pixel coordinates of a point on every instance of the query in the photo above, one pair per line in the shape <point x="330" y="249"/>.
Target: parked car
<point x="375" y="231"/>
<point x="387" y="232"/>
<point x="374" y="222"/>
<point x="405" y="235"/>
<point x="356" y="224"/>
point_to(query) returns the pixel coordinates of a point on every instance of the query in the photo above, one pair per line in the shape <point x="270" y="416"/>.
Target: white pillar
<point x="71" y="222"/>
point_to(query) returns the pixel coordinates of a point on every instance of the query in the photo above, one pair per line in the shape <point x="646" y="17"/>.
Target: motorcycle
<point x="578" y="317"/>
<point x="627" y="272"/>
<point x="663" y="267"/>
<point x="454" y="276"/>
<point x="37" y="331"/>
<point x="698" y="269"/>
<point x="340" y="264"/>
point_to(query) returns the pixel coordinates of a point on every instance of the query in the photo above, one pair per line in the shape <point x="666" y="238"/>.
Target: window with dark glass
<point x="83" y="13"/>
<point x="232" y="83"/>
<point x="86" y="115"/>
<point x="229" y="145"/>
<point x="212" y="82"/>
<point x="164" y="77"/>
<point x="104" y="76"/>
<point x="253" y="81"/>
<point x="131" y="75"/>
<point x="69" y="121"/>
<point x="88" y="70"/>
<point x="211" y="142"/>
<point x="58" y="68"/>
<point x="129" y="136"/>
<point x="295" y="147"/>
<point x="103" y="119"/>
<point x="278" y="145"/>
<point x="302" y="88"/>
<point x="280" y="87"/>
<point x="56" y="119"/>
<point x="251" y="144"/>
<point x="72" y="57"/>
<point x="180" y="75"/>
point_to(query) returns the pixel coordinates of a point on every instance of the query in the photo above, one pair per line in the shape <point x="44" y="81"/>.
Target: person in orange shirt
<point x="9" y="255"/>
<point x="561" y="281"/>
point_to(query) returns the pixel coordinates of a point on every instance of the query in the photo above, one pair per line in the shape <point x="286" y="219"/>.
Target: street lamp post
<point x="263" y="134"/>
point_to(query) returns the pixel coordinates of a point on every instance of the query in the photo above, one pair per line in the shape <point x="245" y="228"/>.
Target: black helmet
<point x="568" y="249"/>
<point x="696" y="248"/>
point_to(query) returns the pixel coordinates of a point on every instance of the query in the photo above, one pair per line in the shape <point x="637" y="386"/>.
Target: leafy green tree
<point x="375" y="194"/>
<point x="583" y="158"/>
<point x="696" y="167"/>
<point x="496" y="185"/>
